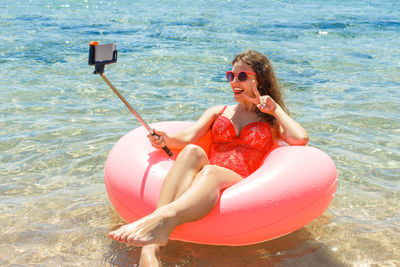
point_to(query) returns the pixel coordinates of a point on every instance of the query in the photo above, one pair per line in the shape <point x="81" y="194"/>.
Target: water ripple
<point x="337" y="63"/>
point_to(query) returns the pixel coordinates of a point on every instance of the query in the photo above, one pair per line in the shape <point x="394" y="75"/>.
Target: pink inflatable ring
<point x="294" y="185"/>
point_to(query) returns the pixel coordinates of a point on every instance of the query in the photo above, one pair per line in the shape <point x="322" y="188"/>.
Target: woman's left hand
<point x="264" y="103"/>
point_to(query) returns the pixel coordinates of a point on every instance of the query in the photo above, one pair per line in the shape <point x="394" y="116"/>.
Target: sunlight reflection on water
<point x="338" y="65"/>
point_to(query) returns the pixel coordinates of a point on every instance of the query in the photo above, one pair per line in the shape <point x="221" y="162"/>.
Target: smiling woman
<point x="337" y="62"/>
<point x="293" y="186"/>
<point x="241" y="137"/>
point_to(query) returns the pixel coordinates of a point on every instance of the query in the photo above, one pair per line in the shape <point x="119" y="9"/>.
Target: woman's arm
<point x="290" y="131"/>
<point x="190" y="135"/>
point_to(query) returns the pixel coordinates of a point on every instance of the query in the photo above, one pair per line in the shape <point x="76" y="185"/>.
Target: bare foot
<point x="149" y="256"/>
<point x="152" y="229"/>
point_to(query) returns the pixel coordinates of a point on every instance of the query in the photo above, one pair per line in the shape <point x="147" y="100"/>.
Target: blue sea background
<point x="338" y="62"/>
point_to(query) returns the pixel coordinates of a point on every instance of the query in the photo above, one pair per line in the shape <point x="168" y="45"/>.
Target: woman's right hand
<point x="158" y="139"/>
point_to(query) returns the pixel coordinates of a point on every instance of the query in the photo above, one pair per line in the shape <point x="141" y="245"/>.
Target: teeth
<point x="237" y="91"/>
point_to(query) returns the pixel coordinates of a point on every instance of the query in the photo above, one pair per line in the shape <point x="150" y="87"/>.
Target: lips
<point x="237" y="91"/>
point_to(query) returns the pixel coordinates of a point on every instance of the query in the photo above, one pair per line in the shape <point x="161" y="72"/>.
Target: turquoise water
<point x="339" y="62"/>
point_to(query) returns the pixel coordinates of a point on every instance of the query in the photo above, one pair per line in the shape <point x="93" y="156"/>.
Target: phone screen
<point x="105" y="53"/>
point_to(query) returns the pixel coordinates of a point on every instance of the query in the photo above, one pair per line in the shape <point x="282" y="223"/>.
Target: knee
<point x="209" y="176"/>
<point x="208" y="170"/>
<point x="218" y="176"/>
<point x="194" y="153"/>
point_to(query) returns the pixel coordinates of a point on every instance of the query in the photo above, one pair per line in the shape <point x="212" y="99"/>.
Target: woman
<point x="247" y="130"/>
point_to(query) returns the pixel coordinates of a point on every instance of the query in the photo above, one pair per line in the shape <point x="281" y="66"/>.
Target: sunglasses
<point x="242" y="76"/>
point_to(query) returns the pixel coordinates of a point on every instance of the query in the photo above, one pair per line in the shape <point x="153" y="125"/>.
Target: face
<point x="241" y="87"/>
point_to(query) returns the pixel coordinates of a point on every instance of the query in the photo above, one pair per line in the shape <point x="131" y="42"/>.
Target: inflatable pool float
<point x="293" y="186"/>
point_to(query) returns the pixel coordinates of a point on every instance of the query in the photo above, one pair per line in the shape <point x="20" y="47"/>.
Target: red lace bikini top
<point x="244" y="153"/>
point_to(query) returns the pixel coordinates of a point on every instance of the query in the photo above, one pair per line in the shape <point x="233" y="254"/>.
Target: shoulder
<point x="271" y="120"/>
<point x="209" y="116"/>
<point x="214" y="111"/>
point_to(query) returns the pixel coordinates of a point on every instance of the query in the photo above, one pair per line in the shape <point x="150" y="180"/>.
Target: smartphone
<point x="102" y="54"/>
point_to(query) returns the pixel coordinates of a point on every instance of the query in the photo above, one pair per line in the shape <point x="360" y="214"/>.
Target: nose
<point x="235" y="79"/>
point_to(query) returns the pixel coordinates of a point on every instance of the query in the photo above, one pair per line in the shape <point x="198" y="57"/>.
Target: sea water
<point x="338" y="62"/>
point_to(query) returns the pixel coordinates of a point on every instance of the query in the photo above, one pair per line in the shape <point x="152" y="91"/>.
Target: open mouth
<point x="237" y="91"/>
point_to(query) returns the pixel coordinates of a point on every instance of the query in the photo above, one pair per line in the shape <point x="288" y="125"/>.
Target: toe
<point x="113" y="235"/>
<point x="124" y="236"/>
<point x="131" y="240"/>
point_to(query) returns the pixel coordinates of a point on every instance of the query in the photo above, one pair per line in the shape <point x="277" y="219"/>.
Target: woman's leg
<point x="196" y="202"/>
<point x="188" y="163"/>
<point x="149" y="256"/>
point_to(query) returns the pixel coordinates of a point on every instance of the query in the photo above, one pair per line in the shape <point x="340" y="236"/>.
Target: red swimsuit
<point x="242" y="154"/>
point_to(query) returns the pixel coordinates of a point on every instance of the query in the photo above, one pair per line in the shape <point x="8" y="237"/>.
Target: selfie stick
<point x="99" y="69"/>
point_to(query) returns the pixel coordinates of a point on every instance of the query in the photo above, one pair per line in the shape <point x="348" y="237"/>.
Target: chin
<point x="238" y="98"/>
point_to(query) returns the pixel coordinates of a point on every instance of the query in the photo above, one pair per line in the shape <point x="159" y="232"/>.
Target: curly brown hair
<point x="266" y="78"/>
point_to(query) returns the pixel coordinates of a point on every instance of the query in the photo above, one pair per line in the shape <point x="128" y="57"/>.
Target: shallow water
<point x="338" y="62"/>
